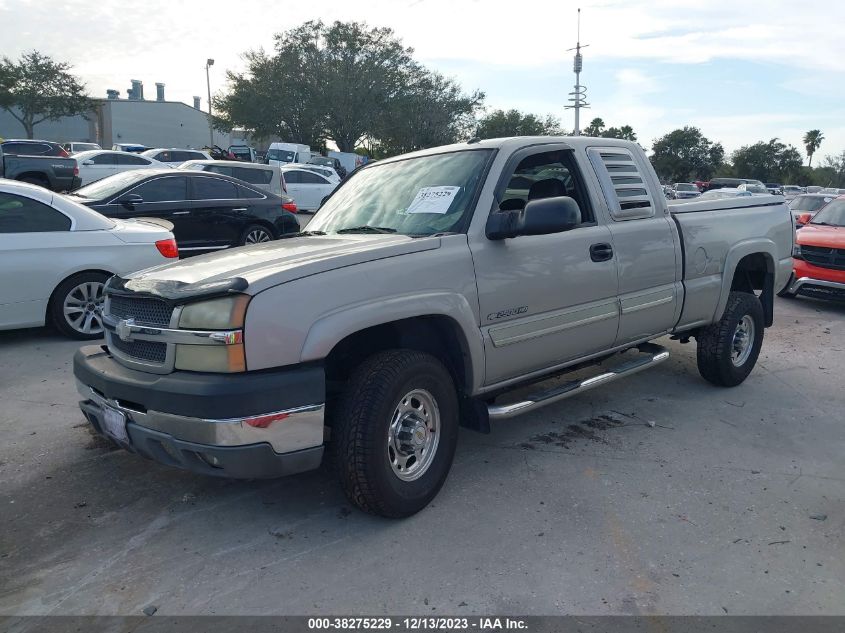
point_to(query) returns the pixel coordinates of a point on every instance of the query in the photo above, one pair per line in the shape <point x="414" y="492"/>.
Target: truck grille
<point x="824" y="257"/>
<point x="148" y="351"/>
<point x="146" y="310"/>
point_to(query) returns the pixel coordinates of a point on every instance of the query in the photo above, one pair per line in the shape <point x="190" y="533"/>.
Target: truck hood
<point x="272" y="263"/>
<point x="818" y="235"/>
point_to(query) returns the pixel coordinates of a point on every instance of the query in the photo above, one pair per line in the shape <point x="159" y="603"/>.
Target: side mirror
<point x="130" y="200"/>
<point x="804" y="218"/>
<point x="539" y="217"/>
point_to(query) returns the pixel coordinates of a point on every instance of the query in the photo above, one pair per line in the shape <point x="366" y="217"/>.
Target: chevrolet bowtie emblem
<point x="123" y="329"/>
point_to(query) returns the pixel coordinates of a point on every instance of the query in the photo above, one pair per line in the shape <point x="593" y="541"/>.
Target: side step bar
<point x="650" y="355"/>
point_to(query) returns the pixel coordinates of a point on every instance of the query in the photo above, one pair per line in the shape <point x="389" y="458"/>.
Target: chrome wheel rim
<point x="413" y="435"/>
<point x="83" y="308"/>
<point x="743" y="341"/>
<point x="257" y="236"/>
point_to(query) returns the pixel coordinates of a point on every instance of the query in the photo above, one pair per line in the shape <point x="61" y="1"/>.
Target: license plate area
<point x="114" y="424"/>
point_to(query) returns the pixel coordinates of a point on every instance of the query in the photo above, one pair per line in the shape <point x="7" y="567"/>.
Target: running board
<point x="651" y="355"/>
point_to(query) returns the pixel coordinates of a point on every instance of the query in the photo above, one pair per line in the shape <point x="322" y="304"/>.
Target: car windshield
<point x="284" y="155"/>
<point x="808" y="203"/>
<point x="754" y="188"/>
<point x="110" y="185"/>
<point x="81" y="147"/>
<point x="832" y="215"/>
<point x="416" y="196"/>
<point x="681" y="186"/>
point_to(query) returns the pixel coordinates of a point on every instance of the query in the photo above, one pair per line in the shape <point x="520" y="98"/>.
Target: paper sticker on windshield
<point x="433" y="199"/>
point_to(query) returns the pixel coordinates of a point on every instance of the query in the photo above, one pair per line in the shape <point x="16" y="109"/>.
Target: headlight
<point x="215" y="314"/>
<point x="225" y="352"/>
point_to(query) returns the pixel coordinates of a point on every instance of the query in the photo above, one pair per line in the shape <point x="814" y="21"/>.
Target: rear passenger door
<point x="97" y="167"/>
<point x="644" y="240"/>
<point x="127" y="162"/>
<point x="218" y="212"/>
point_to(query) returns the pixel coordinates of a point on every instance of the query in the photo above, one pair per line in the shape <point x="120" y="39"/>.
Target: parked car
<point x="808" y="203"/>
<point x="725" y="192"/>
<point x="685" y="190"/>
<point x="97" y="164"/>
<point x="326" y="172"/>
<point x="774" y="188"/>
<point x="668" y="192"/>
<point x="334" y="163"/>
<point x="266" y="177"/>
<point x="51" y="172"/>
<point x="175" y="157"/>
<point x="307" y="188"/>
<point x="813" y="189"/>
<point x="720" y="183"/>
<point x="427" y="286"/>
<point x="57" y="254"/>
<point x="791" y="191"/>
<point x="74" y="147"/>
<point x="26" y="147"/>
<point x="819" y="254"/>
<point x="243" y="153"/>
<point x="754" y="188"/>
<point x="283" y="153"/>
<point x="208" y="211"/>
<point x="832" y="191"/>
<point x="133" y="148"/>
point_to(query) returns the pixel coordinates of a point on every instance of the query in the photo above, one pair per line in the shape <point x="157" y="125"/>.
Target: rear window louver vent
<point x="623" y="183"/>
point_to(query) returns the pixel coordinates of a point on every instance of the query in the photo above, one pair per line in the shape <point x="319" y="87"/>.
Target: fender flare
<point x="333" y="327"/>
<point x="764" y="246"/>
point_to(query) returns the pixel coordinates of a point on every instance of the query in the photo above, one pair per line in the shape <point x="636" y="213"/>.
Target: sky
<point x="742" y="71"/>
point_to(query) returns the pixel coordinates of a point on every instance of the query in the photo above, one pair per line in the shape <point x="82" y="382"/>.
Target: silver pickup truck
<point x="425" y="289"/>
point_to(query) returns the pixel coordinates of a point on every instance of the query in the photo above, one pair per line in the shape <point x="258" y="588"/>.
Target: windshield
<point x="755" y="188"/>
<point x="284" y="155"/>
<point x="110" y="185"/>
<point x="681" y="186"/>
<point x="833" y="214"/>
<point x="808" y="203"/>
<point x="81" y="147"/>
<point x="416" y="196"/>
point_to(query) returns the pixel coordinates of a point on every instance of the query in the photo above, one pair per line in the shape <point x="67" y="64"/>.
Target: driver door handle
<point x="181" y="212"/>
<point x="601" y="252"/>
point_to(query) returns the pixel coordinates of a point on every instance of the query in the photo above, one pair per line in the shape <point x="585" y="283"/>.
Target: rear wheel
<point x="728" y="350"/>
<point x="76" y="306"/>
<point x="256" y="234"/>
<point x="394" y="432"/>
<point x="36" y="180"/>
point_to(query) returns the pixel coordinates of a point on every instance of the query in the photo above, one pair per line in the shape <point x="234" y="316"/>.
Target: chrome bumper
<point x="809" y="282"/>
<point x="285" y="431"/>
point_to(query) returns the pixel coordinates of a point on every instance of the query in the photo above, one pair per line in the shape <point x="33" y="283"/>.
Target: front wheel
<point x="728" y="350"/>
<point x="394" y="432"/>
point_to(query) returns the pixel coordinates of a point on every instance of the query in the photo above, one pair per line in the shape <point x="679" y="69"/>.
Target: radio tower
<point x="579" y="96"/>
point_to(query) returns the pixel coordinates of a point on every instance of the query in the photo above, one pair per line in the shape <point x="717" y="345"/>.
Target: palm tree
<point x="812" y="140"/>
<point x="595" y="128"/>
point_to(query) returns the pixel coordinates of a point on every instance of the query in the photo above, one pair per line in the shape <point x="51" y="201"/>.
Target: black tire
<point x="716" y="343"/>
<point x="36" y="180"/>
<point x="60" y="297"/>
<point x="252" y="233"/>
<point x="361" y="425"/>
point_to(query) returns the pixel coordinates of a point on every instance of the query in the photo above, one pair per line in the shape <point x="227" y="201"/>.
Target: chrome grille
<point x="148" y="351"/>
<point x="143" y="309"/>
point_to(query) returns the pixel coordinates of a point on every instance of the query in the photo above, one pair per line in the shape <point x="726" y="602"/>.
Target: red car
<point x="819" y="255"/>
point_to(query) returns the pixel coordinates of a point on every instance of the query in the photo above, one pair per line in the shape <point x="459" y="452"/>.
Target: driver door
<point x="545" y="299"/>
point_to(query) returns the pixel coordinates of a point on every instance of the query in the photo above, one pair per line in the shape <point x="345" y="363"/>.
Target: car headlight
<point x="224" y="352"/>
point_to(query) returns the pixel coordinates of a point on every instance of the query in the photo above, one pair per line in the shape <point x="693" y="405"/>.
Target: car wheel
<point x="394" y="432"/>
<point x="256" y="234"/>
<point x="76" y="306"/>
<point x="728" y="350"/>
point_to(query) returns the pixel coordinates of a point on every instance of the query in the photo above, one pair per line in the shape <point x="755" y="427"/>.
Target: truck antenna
<point x="579" y="96"/>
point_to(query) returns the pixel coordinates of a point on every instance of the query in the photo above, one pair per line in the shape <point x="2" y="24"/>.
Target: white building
<point x="158" y="123"/>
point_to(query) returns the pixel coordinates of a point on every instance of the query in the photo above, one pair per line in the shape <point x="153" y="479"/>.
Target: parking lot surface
<point x="659" y="494"/>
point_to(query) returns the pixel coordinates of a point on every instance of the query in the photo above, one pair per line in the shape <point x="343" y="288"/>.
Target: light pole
<point x="208" y="63"/>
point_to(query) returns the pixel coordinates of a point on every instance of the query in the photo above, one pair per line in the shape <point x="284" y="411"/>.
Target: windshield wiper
<point x="367" y="229"/>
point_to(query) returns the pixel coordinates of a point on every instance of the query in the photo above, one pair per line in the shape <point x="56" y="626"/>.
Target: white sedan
<point x="57" y="255"/>
<point x="98" y="163"/>
<point x="308" y="189"/>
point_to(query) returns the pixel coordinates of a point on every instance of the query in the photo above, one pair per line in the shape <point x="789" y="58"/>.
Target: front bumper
<point x="252" y="425"/>
<point x="816" y="281"/>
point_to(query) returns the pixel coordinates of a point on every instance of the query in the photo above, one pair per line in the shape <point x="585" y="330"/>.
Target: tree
<point x="500" y="123"/>
<point x="36" y="88"/>
<point x="626" y="132"/>
<point x="685" y="155"/>
<point x="812" y="141"/>
<point x="770" y="162"/>
<point x="595" y="128"/>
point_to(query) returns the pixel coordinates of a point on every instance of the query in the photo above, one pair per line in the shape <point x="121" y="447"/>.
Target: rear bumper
<point x="259" y="425"/>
